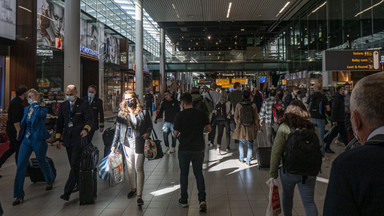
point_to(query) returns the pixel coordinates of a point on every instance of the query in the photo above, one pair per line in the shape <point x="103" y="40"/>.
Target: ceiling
<point x="188" y="23"/>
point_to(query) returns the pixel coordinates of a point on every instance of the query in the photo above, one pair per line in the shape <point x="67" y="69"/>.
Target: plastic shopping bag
<point x="150" y="149"/>
<point x="116" y="168"/>
<point x="274" y="207"/>
<point x="103" y="168"/>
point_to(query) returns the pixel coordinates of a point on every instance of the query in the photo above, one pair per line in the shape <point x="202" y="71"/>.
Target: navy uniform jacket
<point x="356" y="183"/>
<point x="97" y="108"/>
<point x="81" y="117"/>
<point x="38" y="117"/>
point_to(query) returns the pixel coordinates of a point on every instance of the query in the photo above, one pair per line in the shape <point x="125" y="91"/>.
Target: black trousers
<point x="74" y="157"/>
<point x="221" y="124"/>
<point x="212" y="135"/>
<point x="14" y="147"/>
<point x="90" y="135"/>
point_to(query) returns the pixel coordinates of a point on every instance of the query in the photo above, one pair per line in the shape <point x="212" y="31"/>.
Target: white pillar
<point x="72" y="44"/>
<point x="139" y="49"/>
<point x="163" y="75"/>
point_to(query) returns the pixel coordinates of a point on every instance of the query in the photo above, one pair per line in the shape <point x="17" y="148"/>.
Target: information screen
<point x="262" y="80"/>
<point x="351" y="60"/>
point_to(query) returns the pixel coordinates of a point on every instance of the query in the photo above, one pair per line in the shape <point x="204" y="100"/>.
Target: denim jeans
<point x="307" y="191"/>
<point x="221" y="124"/>
<point x="320" y="124"/>
<point x="197" y="159"/>
<point x="168" y="129"/>
<point x="340" y="128"/>
<point x="249" y="152"/>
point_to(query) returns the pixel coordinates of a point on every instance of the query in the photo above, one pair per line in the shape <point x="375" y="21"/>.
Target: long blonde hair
<point x="38" y="94"/>
<point x="124" y="111"/>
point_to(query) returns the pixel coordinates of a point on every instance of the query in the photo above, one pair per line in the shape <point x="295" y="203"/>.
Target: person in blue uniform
<point x="74" y="119"/>
<point x="33" y="135"/>
<point x="96" y="105"/>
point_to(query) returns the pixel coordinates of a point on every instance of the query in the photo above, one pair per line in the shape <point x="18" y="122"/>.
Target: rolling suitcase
<point x="34" y="170"/>
<point x="263" y="156"/>
<point x="88" y="173"/>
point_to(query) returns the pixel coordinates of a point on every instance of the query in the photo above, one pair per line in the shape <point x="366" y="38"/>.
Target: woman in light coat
<point x="245" y="133"/>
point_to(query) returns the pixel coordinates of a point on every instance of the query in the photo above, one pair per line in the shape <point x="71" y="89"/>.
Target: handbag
<point x="150" y="149"/>
<point x="116" y="170"/>
<point x="274" y="207"/>
<point x="103" y="168"/>
<point x="156" y="142"/>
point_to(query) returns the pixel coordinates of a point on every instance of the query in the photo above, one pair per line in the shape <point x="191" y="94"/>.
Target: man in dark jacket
<point x="170" y="107"/>
<point x="15" y="114"/>
<point x="337" y="118"/>
<point x="96" y="105"/>
<point x="291" y="97"/>
<point x="356" y="180"/>
<point x="148" y="102"/>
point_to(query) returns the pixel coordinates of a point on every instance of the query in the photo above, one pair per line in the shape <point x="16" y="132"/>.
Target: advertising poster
<point x="8" y="19"/>
<point x="50" y="24"/>
<point x="131" y="56"/>
<point x="89" y="39"/>
<point x="111" y="49"/>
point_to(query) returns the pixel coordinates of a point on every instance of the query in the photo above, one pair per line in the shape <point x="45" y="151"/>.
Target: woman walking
<point x="133" y="127"/>
<point x="296" y="116"/>
<point x="33" y="134"/>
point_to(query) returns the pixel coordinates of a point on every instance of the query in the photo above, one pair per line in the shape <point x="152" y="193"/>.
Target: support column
<point x="139" y="49"/>
<point x="163" y="75"/>
<point x="101" y="60"/>
<point x="72" y="44"/>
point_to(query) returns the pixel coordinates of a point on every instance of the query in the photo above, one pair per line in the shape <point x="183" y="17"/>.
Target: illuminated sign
<point x="44" y="52"/>
<point x="222" y="81"/>
<point x="349" y="60"/>
<point x="227" y="86"/>
<point x="204" y="81"/>
<point x="89" y="51"/>
<point x="284" y="82"/>
<point x="240" y="80"/>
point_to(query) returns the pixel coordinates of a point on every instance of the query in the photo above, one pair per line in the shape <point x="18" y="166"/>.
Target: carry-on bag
<point x="89" y="156"/>
<point x="34" y="170"/>
<point x="116" y="171"/>
<point x="154" y="147"/>
<point x="88" y="187"/>
<point x="108" y="135"/>
<point x="263" y="156"/>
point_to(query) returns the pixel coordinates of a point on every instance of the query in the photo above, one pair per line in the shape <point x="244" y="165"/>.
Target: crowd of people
<point x="287" y="117"/>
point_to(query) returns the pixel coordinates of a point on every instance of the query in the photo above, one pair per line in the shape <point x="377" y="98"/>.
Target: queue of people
<point x="354" y="185"/>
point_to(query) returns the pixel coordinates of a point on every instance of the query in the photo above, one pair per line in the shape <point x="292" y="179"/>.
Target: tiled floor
<point x="232" y="189"/>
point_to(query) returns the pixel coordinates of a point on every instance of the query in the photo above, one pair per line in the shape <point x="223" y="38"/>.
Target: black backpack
<point x="302" y="153"/>
<point x="199" y="105"/>
<point x="316" y="106"/>
<point x="221" y="113"/>
<point x="246" y="114"/>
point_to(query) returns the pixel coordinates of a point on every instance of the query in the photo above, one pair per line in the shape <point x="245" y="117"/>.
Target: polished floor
<point x="232" y="188"/>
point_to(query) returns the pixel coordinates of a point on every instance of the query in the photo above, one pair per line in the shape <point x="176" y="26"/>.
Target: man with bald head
<point x="356" y="181"/>
<point x="74" y="122"/>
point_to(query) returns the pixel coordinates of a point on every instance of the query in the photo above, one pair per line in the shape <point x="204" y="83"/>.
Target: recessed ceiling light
<point x="209" y="37"/>
<point x="242" y="29"/>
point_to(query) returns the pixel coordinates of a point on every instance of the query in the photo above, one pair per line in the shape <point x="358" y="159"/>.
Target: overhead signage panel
<point x="352" y="60"/>
<point x="240" y="80"/>
<point x="222" y="81"/>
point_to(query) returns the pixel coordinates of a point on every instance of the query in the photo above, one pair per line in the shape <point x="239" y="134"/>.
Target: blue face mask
<point x="30" y="101"/>
<point x="71" y="98"/>
<point x="91" y="95"/>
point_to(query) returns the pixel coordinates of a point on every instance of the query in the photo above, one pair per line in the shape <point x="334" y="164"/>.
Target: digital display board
<point x="262" y="79"/>
<point x="351" y="60"/>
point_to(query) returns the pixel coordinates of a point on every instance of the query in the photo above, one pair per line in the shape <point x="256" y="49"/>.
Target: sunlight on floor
<point x="165" y="190"/>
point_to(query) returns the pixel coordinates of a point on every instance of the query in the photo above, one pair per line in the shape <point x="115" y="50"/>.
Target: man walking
<point x="74" y="119"/>
<point x="266" y="115"/>
<point x="291" y="97"/>
<point x="213" y="97"/>
<point x="337" y="119"/>
<point x="170" y="107"/>
<point x="318" y="105"/>
<point x="96" y="105"/>
<point x="15" y="115"/>
<point x="149" y="101"/>
<point x="190" y="124"/>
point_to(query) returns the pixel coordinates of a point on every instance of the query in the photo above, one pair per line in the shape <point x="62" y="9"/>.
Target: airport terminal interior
<point x="111" y="52"/>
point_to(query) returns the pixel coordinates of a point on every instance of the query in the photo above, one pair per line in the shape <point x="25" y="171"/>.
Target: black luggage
<point x="263" y="156"/>
<point x="34" y="170"/>
<point x="88" y="173"/>
<point x="108" y="135"/>
<point x="160" y="152"/>
<point x="88" y="187"/>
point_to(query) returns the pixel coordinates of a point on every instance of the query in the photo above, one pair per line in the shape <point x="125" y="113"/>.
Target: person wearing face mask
<point x="33" y="135"/>
<point x="96" y="105"/>
<point x="356" y="181"/>
<point x="15" y="115"/>
<point x="133" y="127"/>
<point x="75" y="119"/>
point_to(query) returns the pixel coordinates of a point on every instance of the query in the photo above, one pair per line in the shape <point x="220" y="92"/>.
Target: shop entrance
<point x="90" y="74"/>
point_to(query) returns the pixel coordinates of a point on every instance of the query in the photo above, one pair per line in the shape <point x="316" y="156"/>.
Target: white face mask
<point x="30" y="101"/>
<point x="71" y="98"/>
<point x="346" y="92"/>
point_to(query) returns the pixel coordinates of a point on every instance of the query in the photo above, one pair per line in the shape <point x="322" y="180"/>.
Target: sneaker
<point x="184" y="204"/>
<point x="242" y="161"/>
<point x="228" y="149"/>
<point x="203" y="206"/>
<point x="210" y="143"/>
<point x="172" y="150"/>
<point x="218" y="152"/>
<point x="140" y="202"/>
<point x="166" y="150"/>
